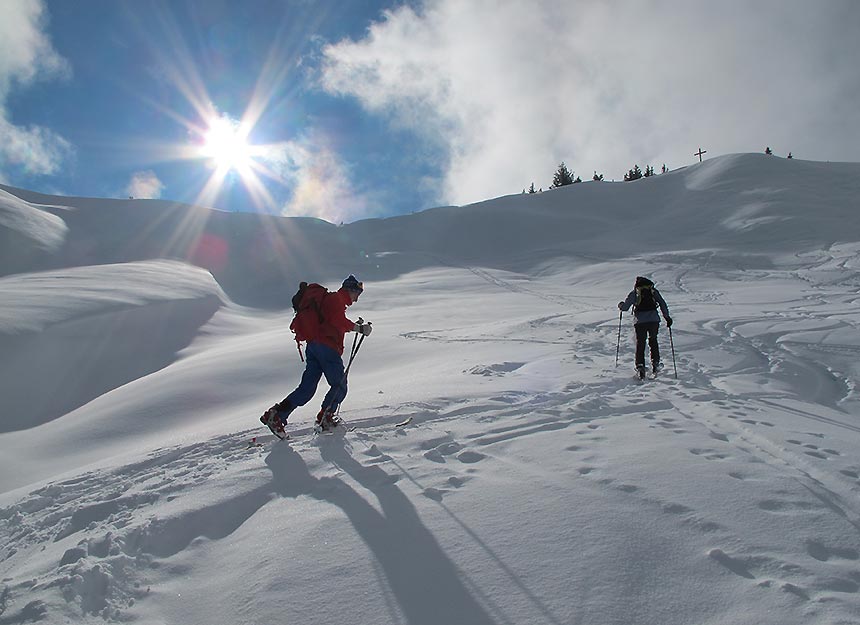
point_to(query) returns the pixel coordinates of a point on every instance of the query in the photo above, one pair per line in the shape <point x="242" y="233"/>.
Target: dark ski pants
<point x="647" y="331"/>
<point x="320" y="360"/>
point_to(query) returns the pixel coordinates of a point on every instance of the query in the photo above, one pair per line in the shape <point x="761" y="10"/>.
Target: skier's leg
<point x="310" y="378"/>
<point x="641" y="335"/>
<point x="654" y="345"/>
<point x="332" y="368"/>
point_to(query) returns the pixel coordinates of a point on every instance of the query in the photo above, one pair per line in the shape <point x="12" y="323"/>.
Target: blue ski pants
<point x="320" y="360"/>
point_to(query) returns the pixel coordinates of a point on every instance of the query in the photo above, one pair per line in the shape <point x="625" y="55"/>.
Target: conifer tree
<point x="532" y="188"/>
<point x="633" y="174"/>
<point x="563" y="176"/>
<point x="597" y="177"/>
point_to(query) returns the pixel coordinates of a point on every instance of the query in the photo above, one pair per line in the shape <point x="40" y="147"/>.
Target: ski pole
<point x="672" y="343"/>
<point x="352" y="356"/>
<point x="618" y="346"/>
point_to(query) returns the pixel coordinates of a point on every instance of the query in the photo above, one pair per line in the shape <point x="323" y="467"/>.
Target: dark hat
<point x="643" y="281"/>
<point x="352" y="284"/>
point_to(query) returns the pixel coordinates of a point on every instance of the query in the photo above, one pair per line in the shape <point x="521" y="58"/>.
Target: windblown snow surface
<point x="536" y="483"/>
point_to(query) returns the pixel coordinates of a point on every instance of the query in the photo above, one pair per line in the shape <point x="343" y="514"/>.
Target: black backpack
<point x="645" y="299"/>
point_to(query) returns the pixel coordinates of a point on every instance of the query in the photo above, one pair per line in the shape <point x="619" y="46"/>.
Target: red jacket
<point x="335" y="324"/>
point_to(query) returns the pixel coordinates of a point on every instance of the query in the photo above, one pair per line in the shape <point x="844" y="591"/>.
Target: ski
<point x="279" y="434"/>
<point x="316" y="430"/>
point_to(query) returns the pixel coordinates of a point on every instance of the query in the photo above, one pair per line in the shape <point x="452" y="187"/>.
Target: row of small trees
<point x="636" y="173"/>
<point x="563" y="177"/>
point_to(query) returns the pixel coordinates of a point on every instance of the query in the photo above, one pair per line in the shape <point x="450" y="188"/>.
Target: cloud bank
<point x="26" y="55"/>
<point x="512" y="88"/>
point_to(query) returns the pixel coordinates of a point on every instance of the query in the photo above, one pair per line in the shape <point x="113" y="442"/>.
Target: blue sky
<point x="369" y="108"/>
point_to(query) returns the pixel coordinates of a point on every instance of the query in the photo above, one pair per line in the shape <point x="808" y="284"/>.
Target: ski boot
<point x="640" y="371"/>
<point x="272" y="420"/>
<point x="326" y="420"/>
<point x="656" y="367"/>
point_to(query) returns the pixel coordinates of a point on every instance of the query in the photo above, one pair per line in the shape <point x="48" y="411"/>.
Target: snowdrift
<point x="69" y="336"/>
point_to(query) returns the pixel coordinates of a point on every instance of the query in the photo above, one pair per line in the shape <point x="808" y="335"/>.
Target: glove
<point x="668" y="322"/>
<point x="620" y="305"/>
<point x="363" y="327"/>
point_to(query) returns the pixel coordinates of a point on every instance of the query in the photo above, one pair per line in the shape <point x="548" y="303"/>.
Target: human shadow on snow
<point x="427" y="585"/>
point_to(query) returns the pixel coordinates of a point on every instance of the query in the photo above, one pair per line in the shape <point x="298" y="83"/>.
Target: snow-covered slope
<point x="27" y="234"/>
<point x="535" y="483"/>
<point x="741" y="204"/>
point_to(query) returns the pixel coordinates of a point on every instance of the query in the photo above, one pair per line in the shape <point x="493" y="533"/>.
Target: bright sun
<point x="226" y="144"/>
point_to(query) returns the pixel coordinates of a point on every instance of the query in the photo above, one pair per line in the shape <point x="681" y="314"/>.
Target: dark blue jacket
<point x="645" y="316"/>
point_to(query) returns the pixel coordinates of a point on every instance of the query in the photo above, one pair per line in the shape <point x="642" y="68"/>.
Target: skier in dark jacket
<point x="324" y="357"/>
<point x="645" y="299"/>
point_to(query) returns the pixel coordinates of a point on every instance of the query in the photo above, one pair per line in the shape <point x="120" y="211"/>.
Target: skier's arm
<point x="663" y="307"/>
<point x="335" y="314"/>
<point x="626" y="304"/>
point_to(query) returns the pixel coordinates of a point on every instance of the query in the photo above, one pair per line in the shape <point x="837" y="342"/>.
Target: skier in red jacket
<point x="324" y="357"/>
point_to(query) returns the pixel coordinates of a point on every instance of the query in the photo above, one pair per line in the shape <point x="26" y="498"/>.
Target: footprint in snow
<point x="676" y="508"/>
<point x="434" y="456"/>
<point x="708" y="454"/>
<point x="496" y="369"/>
<point x="470" y="457"/>
<point x="822" y="553"/>
<point x="735" y="565"/>
<point x="433" y="493"/>
<point x="372" y="451"/>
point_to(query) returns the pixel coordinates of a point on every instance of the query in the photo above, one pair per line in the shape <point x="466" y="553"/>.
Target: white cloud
<point x="26" y="55"/>
<point x="145" y="185"/>
<point x="512" y="88"/>
<point x="320" y="181"/>
<point x="34" y="149"/>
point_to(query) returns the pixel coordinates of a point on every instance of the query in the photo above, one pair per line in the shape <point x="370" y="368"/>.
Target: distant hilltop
<point x="745" y="203"/>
